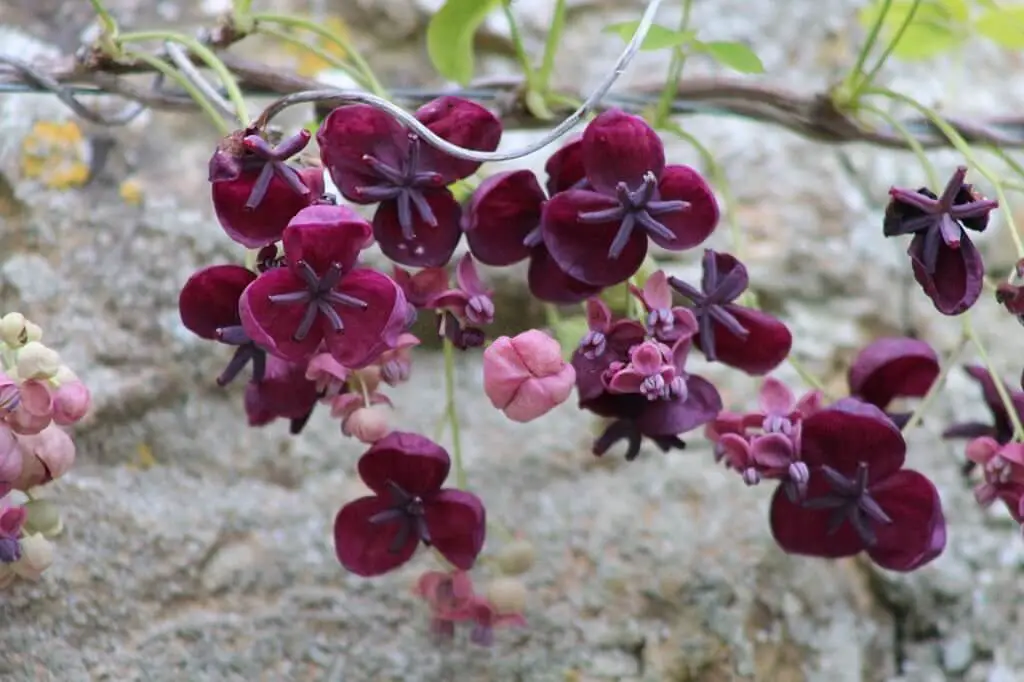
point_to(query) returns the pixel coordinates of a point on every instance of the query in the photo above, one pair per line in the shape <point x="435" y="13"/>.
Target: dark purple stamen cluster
<point x="408" y="510"/>
<point x="318" y="297"/>
<point x="272" y="161"/>
<point x="405" y="186"/>
<point x="709" y="303"/>
<point x="850" y="501"/>
<point x="245" y="352"/>
<point x="637" y="208"/>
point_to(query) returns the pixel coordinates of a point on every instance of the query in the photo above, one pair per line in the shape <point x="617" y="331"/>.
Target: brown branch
<point x="814" y="117"/>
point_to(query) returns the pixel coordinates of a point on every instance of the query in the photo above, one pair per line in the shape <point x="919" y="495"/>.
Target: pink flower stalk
<point x="525" y="376"/>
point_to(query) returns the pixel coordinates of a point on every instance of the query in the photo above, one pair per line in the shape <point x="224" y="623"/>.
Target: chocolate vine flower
<point x="650" y="372"/>
<point x="470" y="301"/>
<point x="1003" y="468"/>
<point x="635" y="417"/>
<point x="607" y="341"/>
<point x="1001" y="428"/>
<point x="600" y="235"/>
<point x="747" y="339"/>
<point x="255" y="192"/>
<point x="1011" y="296"/>
<point x="667" y="323"/>
<point x="373" y="159"/>
<point x="283" y="393"/>
<point x="502" y="223"/>
<point x="450" y="597"/>
<point x="946" y="263"/>
<point x="891" y="368"/>
<point x="859" y="497"/>
<point x="208" y="305"/>
<point x="419" y="288"/>
<point x="321" y="297"/>
<point x="380" y="532"/>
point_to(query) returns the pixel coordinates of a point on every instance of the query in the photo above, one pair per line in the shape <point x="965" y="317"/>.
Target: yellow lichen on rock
<point x="55" y="154"/>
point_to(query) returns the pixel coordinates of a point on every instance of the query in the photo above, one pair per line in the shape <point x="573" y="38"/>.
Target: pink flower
<point x="367" y="423"/>
<point x="328" y="374"/>
<point x="26" y="407"/>
<point x="526" y="376"/>
<point x="10" y="460"/>
<point x="46" y="456"/>
<point x="396" y="364"/>
<point x="70" y="402"/>
<point x="651" y="372"/>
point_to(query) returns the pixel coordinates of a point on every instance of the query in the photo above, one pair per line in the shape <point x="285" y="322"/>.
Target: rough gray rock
<point x="216" y="564"/>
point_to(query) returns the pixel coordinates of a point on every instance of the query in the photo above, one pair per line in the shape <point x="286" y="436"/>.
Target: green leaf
<point x="938" y="26"/>
<point x="657" y="38"/>
<point x="569" y="331"/>
<point x="1004" y="26"/>
<point x="450" y="37"/>
<point x="736" y="56"/>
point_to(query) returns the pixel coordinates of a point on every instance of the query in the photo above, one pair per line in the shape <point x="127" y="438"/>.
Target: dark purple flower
<point x="599" y="235"/>
<point x="859" y="497"/>
<point x="320" y="297"/>
<point x="634" y="416"/>
<point x="946" y="263"/>
<point x="891" y="368"/>
<point x="380" y="532"/>
<point x="744" y="338"/>
<point x="255" y="192"/>
<point x="208" y="305"/>
<point x="502" y="225"/>
<point x="283" y="393"/>
<point x="373" y="159"/>
<point x="1001" y="428"/>
<point x="1011" y="296"/>
<point x="471" y="301"/>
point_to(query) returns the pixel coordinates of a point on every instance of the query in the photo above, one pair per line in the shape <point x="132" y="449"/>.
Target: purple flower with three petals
<point x="380" y="532"/>
<point x="946" y="263"/>
<point x="374" y="159"/>
<point x="749" y="340"/>
<point x="859" y="498"/>
<point x="319" y="296"/>
<point x="599" y="235"/>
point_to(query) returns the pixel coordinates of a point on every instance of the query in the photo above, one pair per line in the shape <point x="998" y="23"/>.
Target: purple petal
<point x="367" y="333"/>
<point x="694" y="224"/>
<point x="415" y="463"/>
<point x="209" y="299"/>
<point x="365" y="548"/>
<point x="565" y="167"/>
<point x="324" y="234"/>
<point x="503" y="210"/>
<point x="620" y="147"/>
<point x="284" y="392"/>
<point x="457" y="523"/>
<point x="461" y="122"/>
<point x="893" y="367"/>
<point x="775" y="397"/>
<point x="350" y="133"/>
<point x="959" y="274"/>
<point x="273" y="325"/>
<point x="772" y="450"/>
<point x="431" y="245"/>
<point x="917" y="534"/>
<point x="580" y="249"/>
<point x="805" y="531"/>
<point x="675" y="417"/>
<point x="766" y="345"/>
<point x="550" y="284"/>
<point x="468" y="277"/>
<point x="263" y="225"/>
<point x="850" y="432"/>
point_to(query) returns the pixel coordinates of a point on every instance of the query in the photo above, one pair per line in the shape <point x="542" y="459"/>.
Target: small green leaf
<point x="937" y="27"/>
<point x="657" y="38"/>
<point x="450" y="37"/>
<point x="736" y="56"/>
<point x="1004" y="26"/>
<point x="570" y="331"/>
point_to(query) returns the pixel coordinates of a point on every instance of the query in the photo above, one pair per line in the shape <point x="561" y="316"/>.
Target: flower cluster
<point x="39" y="397"/>
<point x="316" y="324"/>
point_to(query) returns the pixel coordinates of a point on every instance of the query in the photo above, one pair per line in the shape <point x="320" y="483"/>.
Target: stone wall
<point x="198" y="549"/>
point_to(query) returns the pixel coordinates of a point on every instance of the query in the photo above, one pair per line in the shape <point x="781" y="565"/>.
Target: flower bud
<point x="10" y="460"/>
<point x="526" y="376"/>
<point x="70" y="403"/>
<point x="65" y="375"/>
<point x="43" y="517"/>
<point x="516" y="557"/>
<point x="12" y="330"/>
<point x="36" y="557"/>
<point x="507" y="595"/>
<point x="33" y="332"/>
<point x="36" y="361"/>
<point x="368" y="424"/>
<point x="47" y="455"/>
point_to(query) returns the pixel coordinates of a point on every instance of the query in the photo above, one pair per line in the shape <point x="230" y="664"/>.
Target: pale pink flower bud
<point x="526" y="376"/>
<point x="328" y="374"/>
<point x="46" y="456"/>
<point x="34" y="410"/>
<point x="36" y="557"/>
<point x="10" y="460"/>
<point x="368" y="424"/>
<point x="70" y="403"/>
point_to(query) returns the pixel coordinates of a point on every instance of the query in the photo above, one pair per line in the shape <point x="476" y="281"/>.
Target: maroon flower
<point x="744" y="338"/>
<point x="1001" y="428"/>
<point x="373" y="159"/>
<point x="378" y="533"/>
<point x="502" y="225"/>
<point x="891" y="368"/>
<point x="208" y="305"/>
<point x="693" y="403"/>
<point x="946" y="263"/>
<point x="470" y="302"/>
<point x="422" y="286"/>
<point x="283" y="393"/>
<point x="600" y="235"/>
<point x="319" y="297"/>
<point x="255" y="192"/>
<point x="859" y="497"/>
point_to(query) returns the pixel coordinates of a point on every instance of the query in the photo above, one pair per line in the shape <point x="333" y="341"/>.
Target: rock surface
<point x="216" y="563"/>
